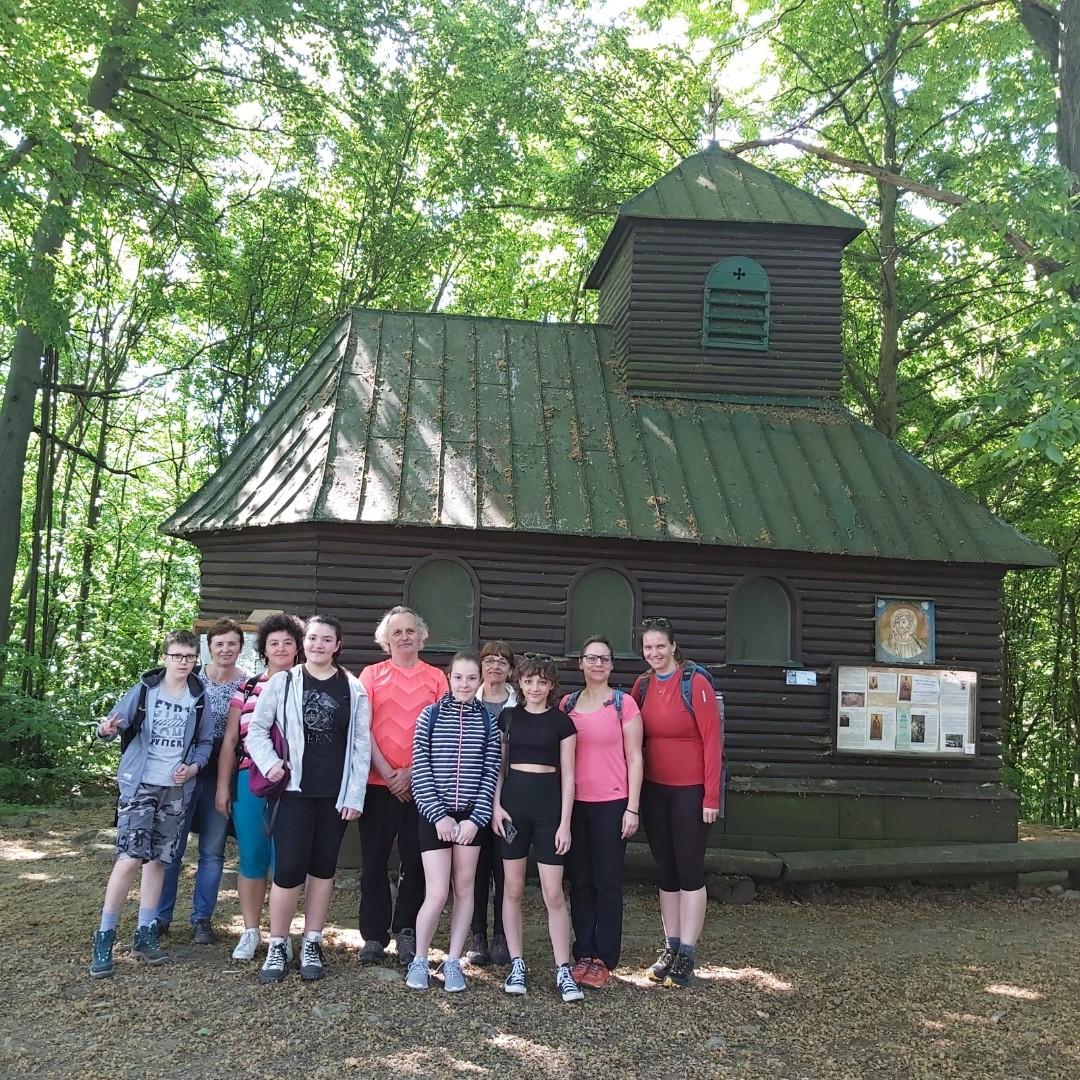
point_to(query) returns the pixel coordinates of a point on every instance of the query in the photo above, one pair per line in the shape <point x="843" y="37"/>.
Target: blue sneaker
<point x="453" y="979"/>
<point x="145" y="946"/>
<point x="101" y="961"/>
<point x="418" y="977"/>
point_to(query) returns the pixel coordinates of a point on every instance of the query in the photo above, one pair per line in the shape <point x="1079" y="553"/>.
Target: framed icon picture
<point x="904" y="631"/>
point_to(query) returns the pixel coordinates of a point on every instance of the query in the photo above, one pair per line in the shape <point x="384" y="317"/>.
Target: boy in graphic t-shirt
<point x="172" y="735"/>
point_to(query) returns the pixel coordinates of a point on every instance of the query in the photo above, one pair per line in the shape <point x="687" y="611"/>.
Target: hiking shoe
<point x="453" y="979"/>
<point x="564" y="983"/>
<point x="500" y="954"/>
<point x="276" y="965"/>
<point x="406" y="947"/>
<point x="101" y="947"/>
<point x="478" y="955"/>
<point x="248" y="945"/>
<point x="596" y="974"/>
<point x="372" y="952"/>
<point x="162" y="929"/>
<point x="418" y="976"/>
<point x="145" y="945"/>
<point x="202" y="933"/>
<point x="515" y="981"/>
<point x="659" y="971"/>
<point x="681" y="971"/>
<point x="311" y="959"/>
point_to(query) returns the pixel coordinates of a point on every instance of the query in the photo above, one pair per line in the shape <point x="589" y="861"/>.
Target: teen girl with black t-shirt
<point x="533" y="804"/>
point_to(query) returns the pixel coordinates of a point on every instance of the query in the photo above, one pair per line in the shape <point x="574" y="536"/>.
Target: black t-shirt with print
<point x="326" y="727"/>
<point x="535" y="738"/>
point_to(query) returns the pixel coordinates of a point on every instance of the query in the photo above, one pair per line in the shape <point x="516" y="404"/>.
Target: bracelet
<point x="634" y="812"/>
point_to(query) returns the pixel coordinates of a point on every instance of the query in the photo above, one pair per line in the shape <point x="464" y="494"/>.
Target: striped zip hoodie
<point x="456" y="757"/>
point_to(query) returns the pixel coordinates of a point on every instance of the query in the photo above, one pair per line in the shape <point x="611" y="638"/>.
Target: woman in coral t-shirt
<point x="680" y="798"/>
<point x="607" y="798"/>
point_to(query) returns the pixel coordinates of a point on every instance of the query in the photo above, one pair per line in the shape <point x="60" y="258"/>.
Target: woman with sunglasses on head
<point x="495" y="694"/>
<point x="278" y="641"/>
<point x="680" y="798"/>
<point x="533" y="802"/>
<point x="607" y="796"/>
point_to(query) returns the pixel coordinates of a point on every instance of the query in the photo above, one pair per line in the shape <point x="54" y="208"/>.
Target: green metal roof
<point x="474" y="423"/>
<point x="714" y="185"/>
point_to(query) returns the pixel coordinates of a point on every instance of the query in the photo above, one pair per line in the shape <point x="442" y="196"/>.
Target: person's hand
<point x="399" y="783"/>
<point x="709" y="814"/>
<point x="276" y="773"/>
<point x="499" y="817"/>
<point x="630" y="824"/>
<point x="467" y="831"/>
<point x="562" y="839"/>
<point x="221" y="801"/>
<point x="348" y="813"/>
<point x="444" y="829"/>
<point x="183" y="773"/>
<point x="108" y="727"/>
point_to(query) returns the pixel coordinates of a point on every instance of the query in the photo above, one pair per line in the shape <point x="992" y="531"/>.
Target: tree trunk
<point x="36" y="314"/>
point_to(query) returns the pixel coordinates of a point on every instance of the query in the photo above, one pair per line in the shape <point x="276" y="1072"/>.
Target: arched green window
<point x="602" y="601"/>
<point x="444" y="592"/>
<point x="761" y="623"/>
<point x="736" y="313"/>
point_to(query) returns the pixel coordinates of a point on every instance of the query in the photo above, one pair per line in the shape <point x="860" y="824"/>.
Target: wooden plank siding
<point x="658" y="319"/>
<point x="773" y="730"/>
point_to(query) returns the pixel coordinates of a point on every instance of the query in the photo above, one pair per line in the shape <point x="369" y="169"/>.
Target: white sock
<point x="313" y="935"/>
<point x="276" y="940"/>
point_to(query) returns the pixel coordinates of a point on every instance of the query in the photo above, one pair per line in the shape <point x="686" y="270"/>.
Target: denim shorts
<point x="150" y="825"/>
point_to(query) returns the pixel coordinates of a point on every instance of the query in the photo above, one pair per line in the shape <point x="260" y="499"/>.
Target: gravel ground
<point x="977" y="982"/>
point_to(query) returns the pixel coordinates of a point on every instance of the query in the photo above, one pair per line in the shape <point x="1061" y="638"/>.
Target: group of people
<point x="469" y="772"/>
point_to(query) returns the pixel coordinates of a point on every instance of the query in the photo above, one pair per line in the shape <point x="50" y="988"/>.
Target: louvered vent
<point x="736" y="313"/>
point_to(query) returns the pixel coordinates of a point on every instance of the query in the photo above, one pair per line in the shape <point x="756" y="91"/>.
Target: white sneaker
<point x="248" y="945"/>
<point x="288" y="948"/>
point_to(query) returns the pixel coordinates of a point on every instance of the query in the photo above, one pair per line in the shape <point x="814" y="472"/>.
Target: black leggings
<point x="677" y="834"/>
<point x="594" y="864"/>
<point x="307" y="836"/>
<point x="534" y="803"/>
<point x="488" y="868"/>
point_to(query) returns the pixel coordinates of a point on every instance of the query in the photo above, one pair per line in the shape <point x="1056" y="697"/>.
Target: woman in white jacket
<point x="326" y="717"/>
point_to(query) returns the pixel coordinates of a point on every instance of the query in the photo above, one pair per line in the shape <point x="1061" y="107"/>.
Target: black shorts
<point x="429" y="838"/>
<point x="534" y="803"/>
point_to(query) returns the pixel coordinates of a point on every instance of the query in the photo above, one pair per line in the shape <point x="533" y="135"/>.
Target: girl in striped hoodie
<point x="456" y="756"/>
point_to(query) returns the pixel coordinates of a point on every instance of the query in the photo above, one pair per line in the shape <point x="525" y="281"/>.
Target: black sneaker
<point x="101" y="961"/>
<point x="145" y="945"/>
<point x="681" y="971"/>
<point x="202" y="933"/>
<point x="515" y="981"/>
<point x="276" y="965"/>
<point x="372" y="952"/>
<point x="659" y="971"/>
<point x="500" y="951"/>
<point x="478" y="955"/>
<point x="311" y="960"/>
<point x="406" y="947"/>
<point x="565" y="985"/>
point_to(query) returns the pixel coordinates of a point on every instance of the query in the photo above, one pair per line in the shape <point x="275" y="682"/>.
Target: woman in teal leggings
<point x="279" y="642"/>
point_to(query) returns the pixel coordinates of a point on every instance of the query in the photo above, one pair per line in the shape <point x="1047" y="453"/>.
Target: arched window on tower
<point x="762" y="624"/>
<point x="444" y="591"/>
<point x="736" y="310"/>
<point x="604" y="601"/>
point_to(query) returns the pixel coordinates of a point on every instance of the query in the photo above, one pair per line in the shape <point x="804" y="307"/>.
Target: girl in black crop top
<point x="534" y="799"/>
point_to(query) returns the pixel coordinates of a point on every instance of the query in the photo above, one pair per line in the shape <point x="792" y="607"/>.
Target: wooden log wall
<point x="661" y="307"/>
<point x="773" y="730"/>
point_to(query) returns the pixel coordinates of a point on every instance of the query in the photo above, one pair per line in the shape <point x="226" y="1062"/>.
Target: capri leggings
<point x="677" y="834"/>
<point x="307" y="835"/>
<point x="253" y="841"/>
<point x="534" y="803"/>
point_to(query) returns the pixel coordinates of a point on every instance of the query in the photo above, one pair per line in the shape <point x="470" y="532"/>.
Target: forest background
<point x="190" y="193"/>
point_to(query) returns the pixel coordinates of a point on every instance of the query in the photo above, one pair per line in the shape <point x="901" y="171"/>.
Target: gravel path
<point x="904" y="982"/>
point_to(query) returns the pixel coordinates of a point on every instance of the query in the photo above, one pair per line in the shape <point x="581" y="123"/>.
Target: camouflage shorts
<point x="150" y="824"/>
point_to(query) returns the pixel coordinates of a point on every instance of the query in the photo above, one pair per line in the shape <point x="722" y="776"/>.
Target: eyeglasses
<point x="539" y="657"/>
<point x="181" y="657"/>
<point x="656" y="623"/>
<point x="495" y="661"/>
<point x="596" y="658"/>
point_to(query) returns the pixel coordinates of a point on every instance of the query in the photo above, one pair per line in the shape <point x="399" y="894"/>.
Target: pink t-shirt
<point x="600" y="761"/>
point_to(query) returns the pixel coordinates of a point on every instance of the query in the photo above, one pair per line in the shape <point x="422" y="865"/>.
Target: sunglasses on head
<point x="539" y="657"/>
<point x="656" y="623"/>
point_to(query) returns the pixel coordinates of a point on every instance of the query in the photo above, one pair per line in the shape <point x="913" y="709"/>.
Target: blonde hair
<point x="382" y="631"/>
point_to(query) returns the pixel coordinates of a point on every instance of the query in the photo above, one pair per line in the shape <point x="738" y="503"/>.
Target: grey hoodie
<point x="133" y="762"/>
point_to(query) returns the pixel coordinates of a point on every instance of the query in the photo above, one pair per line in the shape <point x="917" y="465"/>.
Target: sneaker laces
<point x="311" y="953"/>
<point x="276" y="957"/>
<point x="517" y="971"/>
<point x="563" y="979"/>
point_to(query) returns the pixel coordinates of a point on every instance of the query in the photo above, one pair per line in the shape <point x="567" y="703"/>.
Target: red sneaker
<point x="580" y="969"/>
<point x="596" y="976"/>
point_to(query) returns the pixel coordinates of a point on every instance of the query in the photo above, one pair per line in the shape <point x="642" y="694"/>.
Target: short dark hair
<point x="223" y="627"/>
<point x="280" y="623"/>
<point x="181" y="637"/>
<point x="597" y="639"/>
<point x="498" y="647"/>
<point x="539" y="664"/>
<point x="327" y="620"/>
